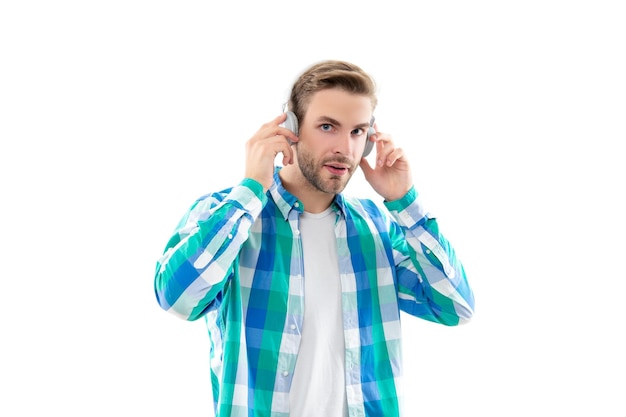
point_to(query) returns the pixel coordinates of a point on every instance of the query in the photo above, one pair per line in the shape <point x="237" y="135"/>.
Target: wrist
<point x="397" y="195"/>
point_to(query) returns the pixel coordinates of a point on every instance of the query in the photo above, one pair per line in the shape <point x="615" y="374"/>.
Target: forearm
<point x="198" y="259"/>
<point x="431" y="280"/>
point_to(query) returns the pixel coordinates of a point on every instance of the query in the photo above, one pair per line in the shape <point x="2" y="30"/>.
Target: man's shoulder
<point x="363" y="207"/>
<point x="216" y="195"/>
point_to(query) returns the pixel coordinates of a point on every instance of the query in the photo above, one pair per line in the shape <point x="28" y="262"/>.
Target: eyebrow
<point x="330" y="120"/>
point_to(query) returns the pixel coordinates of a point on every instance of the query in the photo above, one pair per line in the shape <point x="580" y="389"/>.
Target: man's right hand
<point x="262" y="148"/>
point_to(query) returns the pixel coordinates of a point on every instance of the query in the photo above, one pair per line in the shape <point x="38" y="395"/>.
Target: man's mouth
<point x="337" y="168"/>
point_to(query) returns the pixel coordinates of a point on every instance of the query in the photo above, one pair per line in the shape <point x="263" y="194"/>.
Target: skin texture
<point x="320" y="163"/>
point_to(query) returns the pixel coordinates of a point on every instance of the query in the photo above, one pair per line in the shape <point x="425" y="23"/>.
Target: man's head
<point x="333" y="102"/>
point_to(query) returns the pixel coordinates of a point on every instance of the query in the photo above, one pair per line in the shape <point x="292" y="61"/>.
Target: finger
<point x="274" y="122"/>
<point x="366" y="167"/>
<point x="274" y="128"/>
<point x="287" y="134"/>
<point x="281" y="144"/>
<point x="288" y="157"/>
<point x="282" y="130"/>
<point x="383" y="138"/>
<point x="281" y="117"/>
<point x="288" y="154"/>
<point x="394" y="156"/>
<point x="383" y="149"/>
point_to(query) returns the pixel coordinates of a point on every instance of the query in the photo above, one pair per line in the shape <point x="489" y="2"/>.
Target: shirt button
<point x="296" y="204"/>
<point x="427" y="250"/>
<point x="292" y="327"/>
<point x="285" y="373"/>
<point x="230" y="236"/>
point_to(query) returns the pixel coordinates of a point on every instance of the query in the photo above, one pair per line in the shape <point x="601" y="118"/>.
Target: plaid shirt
<point x="236" y="260"/>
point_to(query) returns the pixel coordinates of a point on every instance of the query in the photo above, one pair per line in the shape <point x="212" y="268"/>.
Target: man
<point x="301" y="286"/>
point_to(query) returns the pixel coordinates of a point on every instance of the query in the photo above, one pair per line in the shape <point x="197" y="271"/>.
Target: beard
<point x="312" y="170"/>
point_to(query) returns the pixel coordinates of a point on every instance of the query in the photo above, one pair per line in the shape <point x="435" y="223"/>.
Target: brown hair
<point x="330" y="74"/>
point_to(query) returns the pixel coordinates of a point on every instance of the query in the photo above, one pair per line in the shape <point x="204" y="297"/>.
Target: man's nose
<point x="345" y="143"/>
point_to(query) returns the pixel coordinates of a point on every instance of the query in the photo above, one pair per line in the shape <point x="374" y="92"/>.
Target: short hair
<point x="330" y="74"/>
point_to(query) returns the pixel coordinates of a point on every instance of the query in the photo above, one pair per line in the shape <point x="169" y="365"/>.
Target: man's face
<point x="332" y="138"/>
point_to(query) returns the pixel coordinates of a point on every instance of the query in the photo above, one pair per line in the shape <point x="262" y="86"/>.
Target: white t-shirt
<point x="318" y="387"/>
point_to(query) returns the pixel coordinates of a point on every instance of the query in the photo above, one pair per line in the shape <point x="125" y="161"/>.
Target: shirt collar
<point x="285" y="201"/>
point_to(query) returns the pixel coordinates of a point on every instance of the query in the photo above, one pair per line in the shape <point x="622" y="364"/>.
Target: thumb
<point x="366" y="167"/>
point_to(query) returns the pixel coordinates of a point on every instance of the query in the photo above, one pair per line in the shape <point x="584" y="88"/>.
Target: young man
<point x="301" y="286"/>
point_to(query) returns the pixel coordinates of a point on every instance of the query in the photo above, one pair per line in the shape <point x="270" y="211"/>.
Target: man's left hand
<point x="391" y="176"/>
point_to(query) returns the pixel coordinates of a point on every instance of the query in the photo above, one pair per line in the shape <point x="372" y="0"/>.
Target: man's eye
<point x="357" y="132"/>
<point x="326" y="127"/>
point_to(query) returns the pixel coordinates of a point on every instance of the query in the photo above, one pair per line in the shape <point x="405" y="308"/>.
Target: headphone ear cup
<point x="369" y="145"/>
<point x="291" y="122"/>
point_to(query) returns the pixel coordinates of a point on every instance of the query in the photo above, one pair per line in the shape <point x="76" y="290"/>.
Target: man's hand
<point x="391" y="177"/>
<point x="262" y="148"/>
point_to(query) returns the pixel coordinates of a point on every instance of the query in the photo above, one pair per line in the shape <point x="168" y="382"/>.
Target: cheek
<point x="358" y="147"/>
<point x="312" y="148"/>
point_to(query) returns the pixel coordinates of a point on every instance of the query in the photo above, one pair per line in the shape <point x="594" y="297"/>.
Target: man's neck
<point x="314" y="200"/>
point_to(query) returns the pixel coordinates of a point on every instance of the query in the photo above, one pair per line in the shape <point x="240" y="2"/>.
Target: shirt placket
<point x="290" y="344"/>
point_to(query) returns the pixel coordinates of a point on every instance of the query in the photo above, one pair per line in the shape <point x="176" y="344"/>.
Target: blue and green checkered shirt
<point x="236" y="260"/>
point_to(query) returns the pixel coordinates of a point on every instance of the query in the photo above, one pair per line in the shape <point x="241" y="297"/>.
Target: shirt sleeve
<point x="198" y="258"/>
<point x="431" y="279"/>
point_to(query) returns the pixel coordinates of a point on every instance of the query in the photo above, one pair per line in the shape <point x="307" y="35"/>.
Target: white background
<point x="116" y="115"/>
